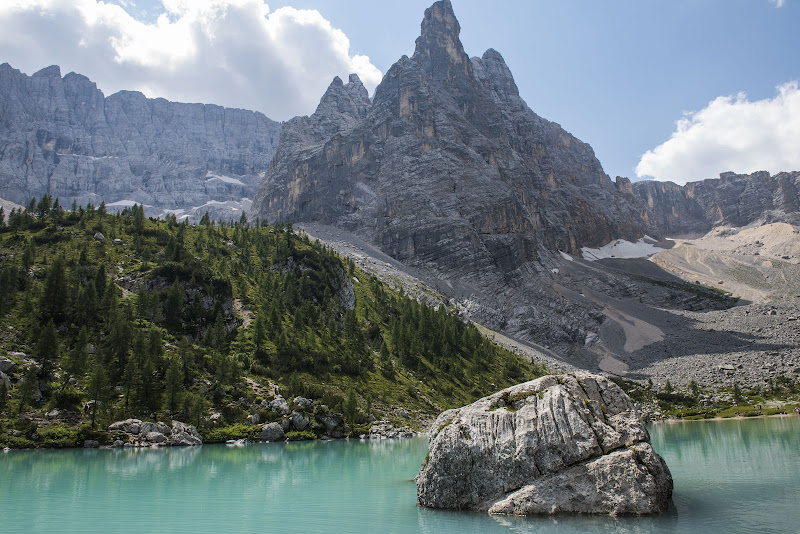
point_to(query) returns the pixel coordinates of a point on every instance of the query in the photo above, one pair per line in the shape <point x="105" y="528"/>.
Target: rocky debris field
<point x="640" y="320"/>
<point x="746" y="345"/>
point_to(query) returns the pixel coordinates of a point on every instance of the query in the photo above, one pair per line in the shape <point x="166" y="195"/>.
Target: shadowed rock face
<point x="447" y="167"/>
<point x="731" y="200"/>
<point x="558" y="444"/>
<point x="61" y="136"/>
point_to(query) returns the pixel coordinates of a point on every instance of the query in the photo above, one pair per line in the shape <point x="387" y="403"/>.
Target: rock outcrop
<point x="63" y="137"/>
<point x="271" y="432"/>
<point x="732" y="200"/>
<point x="144" y="433"/>
<point x="558" y="444"/>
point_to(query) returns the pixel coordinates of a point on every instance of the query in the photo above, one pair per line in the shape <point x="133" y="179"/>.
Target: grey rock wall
<point x="731" y="200"/>
<point x="61" y="136"/>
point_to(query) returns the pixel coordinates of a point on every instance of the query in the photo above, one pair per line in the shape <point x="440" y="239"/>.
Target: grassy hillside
<point x="106" y="317"/>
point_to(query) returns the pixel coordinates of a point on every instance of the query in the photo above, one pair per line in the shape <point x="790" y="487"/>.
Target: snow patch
<point x="620" y="248"/>
<point x="566" y="256"/>
<point x="91" y="158"/>
<point x="227" y="179"/>
<point x="121" y="204"/>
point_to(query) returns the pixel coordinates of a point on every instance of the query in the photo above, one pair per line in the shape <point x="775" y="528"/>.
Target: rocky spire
<point x="358" y="94"/>
<point x="438" y="48"/>
<point x="492" y="70"/>
<point x="351" y="100"/>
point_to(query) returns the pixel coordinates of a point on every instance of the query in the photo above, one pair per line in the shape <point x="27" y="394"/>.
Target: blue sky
<point x="619" y="75"/>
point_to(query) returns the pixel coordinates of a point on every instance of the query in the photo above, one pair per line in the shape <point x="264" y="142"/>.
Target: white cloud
<point x="236" y="53"/>
<point x="731" y="134"/>
<point x="778" y="3"/>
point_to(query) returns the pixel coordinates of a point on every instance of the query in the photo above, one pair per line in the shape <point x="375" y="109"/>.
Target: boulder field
<point x="570" y="443"/>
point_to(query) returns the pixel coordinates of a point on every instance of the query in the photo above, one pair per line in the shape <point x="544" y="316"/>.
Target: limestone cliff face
<point x="63" y="137"/>
<point x="558" y="444"/>
<point x="447" y="167"/>
<point x="731" y="200"/>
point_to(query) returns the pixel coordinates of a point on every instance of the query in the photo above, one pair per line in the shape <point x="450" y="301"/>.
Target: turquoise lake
<point x="730" y="476"/>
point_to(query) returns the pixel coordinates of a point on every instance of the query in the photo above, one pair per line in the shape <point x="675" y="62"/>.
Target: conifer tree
<point x="28" y="255"/>
<point x="186" y="358"/>
<point x="57" y="212"/>
<point x="28" y="386"/>
<point x="155" y="347"/>
<point x="75" y="361"/>
<point x="3" y="395"/>
<point x="350" y="406"/>
<point x="43" y="207"/>
<point x="99" y="387"/>
<point x="100" y="281"/>
<point x="173" y="305"/>
<point x="86" y="305"/>
<point x="47" y="348"/>
<point x="138" y="218"/>
<point x="173" y="383"/>
<point x="53" y="304"/>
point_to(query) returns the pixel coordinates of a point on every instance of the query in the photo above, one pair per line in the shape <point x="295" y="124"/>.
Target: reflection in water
<point x="729" y="476"/>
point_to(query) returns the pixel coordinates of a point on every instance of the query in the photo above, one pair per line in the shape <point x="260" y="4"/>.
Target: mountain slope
<point x="216" y="319"/>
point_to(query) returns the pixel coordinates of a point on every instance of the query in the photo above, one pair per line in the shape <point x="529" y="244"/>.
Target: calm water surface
<point x="730" y="476"/>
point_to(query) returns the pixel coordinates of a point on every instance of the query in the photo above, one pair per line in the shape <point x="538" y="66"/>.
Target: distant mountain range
<point x="63" y="137"/>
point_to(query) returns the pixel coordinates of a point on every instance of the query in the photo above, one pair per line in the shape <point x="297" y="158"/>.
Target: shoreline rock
<point x="570" y="443"/>
<point x="146" y="433"/>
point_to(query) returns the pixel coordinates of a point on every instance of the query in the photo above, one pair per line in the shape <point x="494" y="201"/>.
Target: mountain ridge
<point x="64" y="137"/>
<point x="732" y="199"/>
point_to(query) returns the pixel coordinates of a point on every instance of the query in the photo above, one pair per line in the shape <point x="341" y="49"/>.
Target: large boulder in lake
<point x="568" y="443"/>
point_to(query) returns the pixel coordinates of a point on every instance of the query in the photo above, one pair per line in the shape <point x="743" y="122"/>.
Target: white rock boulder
<point x="559" y="444"/>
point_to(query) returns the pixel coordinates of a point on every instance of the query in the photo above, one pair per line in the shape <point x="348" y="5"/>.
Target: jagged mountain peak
<point x="450" y="171"/>
<point x="438" y="48"/>
<point x="492" y="70"/>
<point x="53" y="71"/>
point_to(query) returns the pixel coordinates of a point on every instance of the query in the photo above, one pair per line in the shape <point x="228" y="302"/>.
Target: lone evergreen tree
<point x="47" y="348"/>
<point x="99" y="387"/>
<point x="350" y="406"/>
<point x="173" y="382"/>
<point x="28" y="386"/>
<point x="3" y="395"/>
